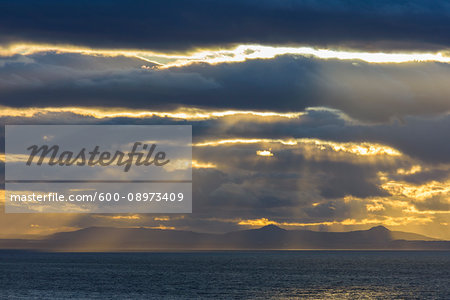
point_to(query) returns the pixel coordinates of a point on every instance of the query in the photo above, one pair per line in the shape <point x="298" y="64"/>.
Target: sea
<point x="226" y="275"/>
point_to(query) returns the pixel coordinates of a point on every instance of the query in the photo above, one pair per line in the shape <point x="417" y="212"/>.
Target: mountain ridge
<point x="270" y="237"/>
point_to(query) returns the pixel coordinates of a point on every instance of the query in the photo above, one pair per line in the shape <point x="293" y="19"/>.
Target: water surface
<point x="225" y="275"/>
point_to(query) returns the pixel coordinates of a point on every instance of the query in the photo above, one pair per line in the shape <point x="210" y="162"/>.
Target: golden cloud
<point x="106" y="113"/>
<point x="361" y="149"/>
<point x="237" y="54"/>
<point x="387" y="221"/>
<point x="264" y="153"/>
<point x="418" y="192"/>
<point x="203" y="165"/>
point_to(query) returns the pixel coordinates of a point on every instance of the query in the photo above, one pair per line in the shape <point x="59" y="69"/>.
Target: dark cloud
<point x="343" y="179"/>
<point x="422" y="138"/>
<point x="285" y="185"/>
<point x="177" y="24"/>
<point x="369" y="92"/>
<point x="426" y="176"/>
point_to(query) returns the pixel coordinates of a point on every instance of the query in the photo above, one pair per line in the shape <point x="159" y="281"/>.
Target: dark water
<point x="225" y="275"/>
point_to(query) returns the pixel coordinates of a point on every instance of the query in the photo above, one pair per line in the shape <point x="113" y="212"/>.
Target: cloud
<point x="333" y="110"/>
<point x="286" y="84"/>
<point x="177" y="24"/>
<point x="361" y="149"/>
<point x="162" y="60"/>
<point x="316" y="134"/>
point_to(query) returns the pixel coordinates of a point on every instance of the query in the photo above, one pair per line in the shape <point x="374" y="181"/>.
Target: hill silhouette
<point x="267" y="237"/>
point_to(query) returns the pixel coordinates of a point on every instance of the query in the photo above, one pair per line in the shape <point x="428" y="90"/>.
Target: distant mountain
<point x="268" y="237"/>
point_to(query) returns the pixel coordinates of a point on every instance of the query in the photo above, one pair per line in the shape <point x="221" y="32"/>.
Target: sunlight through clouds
<point x="240" y="53"/>
<point x="104" y="112"/>
<point x="362" y="149"/>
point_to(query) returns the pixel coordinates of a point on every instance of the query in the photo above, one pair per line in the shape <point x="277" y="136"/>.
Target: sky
<point x="326" y="115"/>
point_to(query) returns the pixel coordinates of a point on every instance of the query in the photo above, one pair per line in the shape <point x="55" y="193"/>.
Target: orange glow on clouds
<point x="202" y="165"/>
<point x="162" y="227"/>
<point x="418" y="192"/>
<point x="133" y="217"/>
<point x="103" y="112"/>
<point x="387" y="221"/>
<point x="264" y="153"/>
<point x="363" y="148"/>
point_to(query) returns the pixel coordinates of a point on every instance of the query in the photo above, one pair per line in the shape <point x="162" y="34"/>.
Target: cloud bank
<point x="176" y="25"/>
